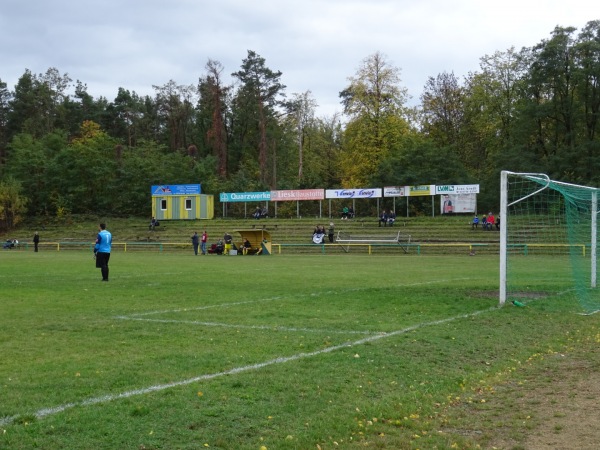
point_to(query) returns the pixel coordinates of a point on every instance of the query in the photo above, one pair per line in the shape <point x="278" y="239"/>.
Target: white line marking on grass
<point x="249" y="327"/>
<point x="41" y="413"/>
<point x="270" y="299"/>
<point x="199" y="308"/>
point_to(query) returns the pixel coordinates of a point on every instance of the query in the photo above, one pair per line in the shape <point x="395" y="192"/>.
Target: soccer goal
<point x="548" y="241"/>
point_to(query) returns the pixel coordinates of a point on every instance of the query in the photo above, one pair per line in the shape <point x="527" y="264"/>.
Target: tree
<point x="79" y="107"/>
<point x="374" y="101"/>
<point x="301" y="112"/>
<point x="256" y="100"/>
<point x="123" y="117"/>
<point x="491" y="105"/>
<point x="37" y="105"/>
<point x="443" y="108"/>
<point x="12" y="203"/>
<point x="501" y="76"/>
<point x="175" y="109"/>
<point x="552" y="114"/>
<point x="83" y="172"/>
<point x="32" y="164"/>
<point x="5" y="97"/>
<point x="587" y="55"/>
<point x="212" y="105"/>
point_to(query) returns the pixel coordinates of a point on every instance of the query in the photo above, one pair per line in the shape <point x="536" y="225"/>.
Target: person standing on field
<point x="195" y="242"/>
<point x="102" y="250"/>
<point x="36" y="241"/>
<point x="228" y="240"/>
<point x="203" y="242"/>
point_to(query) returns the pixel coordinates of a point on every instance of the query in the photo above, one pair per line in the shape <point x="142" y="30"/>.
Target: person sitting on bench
<point x="153" y="224"/>
<point x="345" y="212"/>
<point x="391" y="218"/>
<point x="383" y="218"/>
<point x="246" y="246"/>
<point x="11" y="243"/>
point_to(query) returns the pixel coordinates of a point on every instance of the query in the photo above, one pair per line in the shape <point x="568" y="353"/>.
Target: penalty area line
<point x="286" y="298"/>
<point x="247" y="327"/>
<point x="44" y="412"/>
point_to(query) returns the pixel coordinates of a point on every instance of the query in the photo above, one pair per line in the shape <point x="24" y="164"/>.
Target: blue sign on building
<point x="176" y="189"/>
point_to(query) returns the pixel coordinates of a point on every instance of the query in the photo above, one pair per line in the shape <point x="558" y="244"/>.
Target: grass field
<point x="275" y="352"/>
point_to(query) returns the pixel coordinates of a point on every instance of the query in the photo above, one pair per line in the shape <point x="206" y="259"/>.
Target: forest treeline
<point x="63" y="151"/>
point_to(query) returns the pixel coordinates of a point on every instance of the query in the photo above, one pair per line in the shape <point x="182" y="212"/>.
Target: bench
<point x="398" y="239"/>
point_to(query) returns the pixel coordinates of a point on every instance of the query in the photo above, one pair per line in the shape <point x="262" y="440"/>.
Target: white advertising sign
<point x="459" y="189"/>
<point x="395" y="191"/>
<point x="353" y="193"/>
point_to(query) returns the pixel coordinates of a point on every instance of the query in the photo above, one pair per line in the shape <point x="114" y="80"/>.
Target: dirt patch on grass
<point x="563" y="398"/>
<point x="551" y="404"/>
<point x="532" y="295"/>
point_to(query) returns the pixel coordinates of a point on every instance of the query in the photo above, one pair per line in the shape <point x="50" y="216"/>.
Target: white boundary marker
<point x="41" y="413"/>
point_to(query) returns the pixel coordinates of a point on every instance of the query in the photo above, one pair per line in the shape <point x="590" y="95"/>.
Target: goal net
<point x="548" y="242"/>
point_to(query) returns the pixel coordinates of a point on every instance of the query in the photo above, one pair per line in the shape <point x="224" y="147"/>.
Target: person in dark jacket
<point x="195" y="242"/>
<point x="36" y="241"/>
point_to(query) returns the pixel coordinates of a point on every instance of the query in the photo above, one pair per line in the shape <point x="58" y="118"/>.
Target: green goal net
<point x="548" y="242"/>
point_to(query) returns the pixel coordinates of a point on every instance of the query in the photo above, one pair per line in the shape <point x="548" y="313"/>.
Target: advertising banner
<point x="175" y="189"/>
<point x="418" y="191"/>
<point x="353" y="193"/>
<point x="395" y="191"/>
<point x="297" y="194"/>
<point x="226" y="197"/>
<point x="454" y="203"/>
<point x="457" y="189"/>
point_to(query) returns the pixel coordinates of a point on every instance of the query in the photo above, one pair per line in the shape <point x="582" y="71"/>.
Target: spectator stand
<point x="346" y="240"/>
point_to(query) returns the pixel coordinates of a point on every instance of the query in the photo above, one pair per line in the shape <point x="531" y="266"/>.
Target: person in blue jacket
<point x="102" y="250"/>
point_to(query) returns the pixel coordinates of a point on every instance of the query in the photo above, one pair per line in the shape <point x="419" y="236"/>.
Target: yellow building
<point x="181" y="202"/>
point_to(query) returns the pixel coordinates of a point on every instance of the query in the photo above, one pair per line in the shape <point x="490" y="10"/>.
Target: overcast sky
<point x="316" y="45"/>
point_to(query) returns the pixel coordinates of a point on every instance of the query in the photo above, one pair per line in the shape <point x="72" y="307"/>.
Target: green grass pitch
<point x="275" y="352"/>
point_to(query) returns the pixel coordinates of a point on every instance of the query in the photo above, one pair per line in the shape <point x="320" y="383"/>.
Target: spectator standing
<point x="331" y="232"/>
<point x="475" y="223"/>
<point x="195" y="242"/>
<point x="227" y="239"/>
<point x="36" y="241"/>
<point x="203" y="241"/>
<point x="102" y="250"/>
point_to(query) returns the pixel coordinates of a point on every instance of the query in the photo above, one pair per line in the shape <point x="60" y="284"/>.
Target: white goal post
<point x="550" y="216"/>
